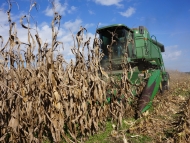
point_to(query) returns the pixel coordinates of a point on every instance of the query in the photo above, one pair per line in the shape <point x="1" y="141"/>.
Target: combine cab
<point x="122" y="45"/>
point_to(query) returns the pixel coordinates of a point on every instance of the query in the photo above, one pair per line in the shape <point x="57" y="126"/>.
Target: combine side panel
<point x="149" y="91"/>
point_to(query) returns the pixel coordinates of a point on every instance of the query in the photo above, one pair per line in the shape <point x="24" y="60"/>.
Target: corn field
<point x="43" y="97"/>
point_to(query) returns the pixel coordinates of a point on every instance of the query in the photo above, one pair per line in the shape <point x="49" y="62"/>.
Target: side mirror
<point x="141" y="29"/>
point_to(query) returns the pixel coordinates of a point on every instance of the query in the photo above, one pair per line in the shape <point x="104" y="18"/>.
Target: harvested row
<point x="166" y="121"/>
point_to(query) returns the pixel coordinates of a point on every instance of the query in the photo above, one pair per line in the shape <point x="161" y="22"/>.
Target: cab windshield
<point x="117" y="48"/>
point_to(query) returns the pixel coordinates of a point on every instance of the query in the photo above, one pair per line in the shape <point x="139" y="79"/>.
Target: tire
<point x="161" y="87"/>
<point x="167" y="86"/>
<point x="167" y="83"/>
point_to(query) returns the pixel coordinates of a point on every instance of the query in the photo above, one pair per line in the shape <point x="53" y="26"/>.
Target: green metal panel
<point x="139" y="52"/>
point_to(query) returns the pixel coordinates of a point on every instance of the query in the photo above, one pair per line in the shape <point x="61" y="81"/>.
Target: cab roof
<point x="114" y="26"/>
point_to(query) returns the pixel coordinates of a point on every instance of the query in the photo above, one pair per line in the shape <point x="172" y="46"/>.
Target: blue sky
<point x="168" y="20"/>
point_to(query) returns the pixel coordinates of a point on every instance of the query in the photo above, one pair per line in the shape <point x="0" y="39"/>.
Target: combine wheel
<point x="167" y="85"/>
<point x="161" y="87"/>
<point x="168" y="82"/>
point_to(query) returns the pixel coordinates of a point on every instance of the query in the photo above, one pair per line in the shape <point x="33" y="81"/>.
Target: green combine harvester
<point x="142" y="52"/>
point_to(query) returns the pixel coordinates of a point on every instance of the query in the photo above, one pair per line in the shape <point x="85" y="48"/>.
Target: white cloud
<point x="91" y="12"/>
<point x="129" y="12"/>
<point x="102" y="24"/>
<point x="109" y="2"/>
<point x="74" y="26"/>
<point x="89" y="25"/>
<point x="4" y="24"/>
<point x="3" y="5"/>
<point x="173" y="59"/>
<point x="72" y="9"/>
<point x="3" y="18"/>
<point x="60" y="8"/>
<point x="172" y="53"/>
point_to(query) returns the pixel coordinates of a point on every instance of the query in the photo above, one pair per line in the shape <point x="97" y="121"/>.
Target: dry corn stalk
<point x="42" y="99"/>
